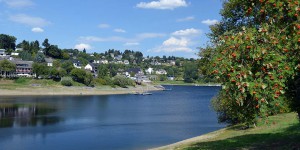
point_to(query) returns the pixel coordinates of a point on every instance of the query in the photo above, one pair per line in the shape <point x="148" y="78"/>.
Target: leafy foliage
<point x="66" y="81"/>
<point x="39" y="69"/>
<point x="7" y="42"/>
<point x="122" y="81"/>
<point x="256" y="53"/>
<point x="7" y="66"/>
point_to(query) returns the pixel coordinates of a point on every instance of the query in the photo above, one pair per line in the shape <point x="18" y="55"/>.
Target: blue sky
<point x="154" y="27"/>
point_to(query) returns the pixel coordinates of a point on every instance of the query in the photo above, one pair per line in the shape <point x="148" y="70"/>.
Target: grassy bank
<point x="281" y="132"/>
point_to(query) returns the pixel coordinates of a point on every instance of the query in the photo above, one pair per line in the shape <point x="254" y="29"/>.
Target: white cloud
<point x="120" y="30"/>
<point x="131" y="44"/>
<point x="18" y="3"/>
<point x="101" y="39"/>
<point x="180" y="42"/>
<point x="210" y="22"/>
<point x="82" y="46"/>
<point x="37" y="30"/>
<point x="174" y="44"/>
<point x="187" y="32"/>
<point x="103" y="25"/>
<point x="186" y="19"/>
<point x="137" y="38"/>
<point x="162" y="4"/>
<point x="29" y="20"/>
<point x="150" y="35"/>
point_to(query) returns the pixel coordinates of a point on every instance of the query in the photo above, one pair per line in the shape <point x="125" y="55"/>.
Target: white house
<point x="19" y="49"/>
<point x="161" y="71"/>
<point x="126" y="62"/>
<point x="2" y="52"/>
<point x="15" y="54"/>
<point x="49" y="62"/>
<point x="88" y="67"/>
<point x="77" y="64"/>
<point x="149" y="71"/>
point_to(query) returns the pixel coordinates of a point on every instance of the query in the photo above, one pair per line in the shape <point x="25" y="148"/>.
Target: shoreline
<point x="73" y="91"/>
<point x="201" y="138"/>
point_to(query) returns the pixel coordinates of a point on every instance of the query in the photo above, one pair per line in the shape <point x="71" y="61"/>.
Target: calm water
<point x="106" y="122"/>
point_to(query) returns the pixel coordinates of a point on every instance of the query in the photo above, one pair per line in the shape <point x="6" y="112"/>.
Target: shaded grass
<point x="281" y="132"/>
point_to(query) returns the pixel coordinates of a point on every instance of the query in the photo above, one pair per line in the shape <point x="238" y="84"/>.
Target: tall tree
<point x="7" y="66"/>
<point x="255" y="53"/>
<point x="7" y="42"/>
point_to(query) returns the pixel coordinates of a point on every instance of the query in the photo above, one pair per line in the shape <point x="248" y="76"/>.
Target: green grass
<point x="281" y="132"/>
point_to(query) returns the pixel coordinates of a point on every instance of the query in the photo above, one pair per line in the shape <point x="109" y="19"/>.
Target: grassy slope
<point x="281" y="132"/>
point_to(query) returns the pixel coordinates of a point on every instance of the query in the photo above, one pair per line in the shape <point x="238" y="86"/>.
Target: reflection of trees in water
<point x="21" y="115"/>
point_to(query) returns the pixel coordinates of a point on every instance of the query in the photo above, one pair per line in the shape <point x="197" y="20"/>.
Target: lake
<point x="106" y="122"/>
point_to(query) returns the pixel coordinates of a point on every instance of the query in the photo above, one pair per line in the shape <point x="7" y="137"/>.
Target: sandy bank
<point x="60" y="90"/>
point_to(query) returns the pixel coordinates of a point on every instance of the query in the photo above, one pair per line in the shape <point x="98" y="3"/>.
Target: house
<point x="49" y="62"/>
<point x="171" y="78"/>
<point x="96" y="61"/>
<point x="149" y="71"/>
<point x="161" y="72"/>
<point x="15" y="54"/>
<point x="2" y="52"/>
<point x="77" y="63"/>
<point x="126" y="62"/>
<point x="19" y="49"/>
<point x="172" y="63"/>
<point x="103" y="61"/>
<point x="134" y="72"/>
<point x="93" y="68"/>
<point x="23" y="68"/>
<point x="119" y="57"/>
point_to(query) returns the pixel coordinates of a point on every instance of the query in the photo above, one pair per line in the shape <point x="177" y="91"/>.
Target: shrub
<point x="66" y="81"/>
<point x="122" y="81"/>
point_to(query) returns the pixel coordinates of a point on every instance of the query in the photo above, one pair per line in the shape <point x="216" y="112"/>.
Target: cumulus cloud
<point x="18" y="3"/>
<point x="131" y="44"/>
<point x="82" y="46"/>
<point x="37" y="30"/>
<point x="179" y="41"/>
<point x="29" y="20"/>
<point x="187" y="32"/>
<point x="163" y="4"/>
<point x="103" y="25"/>
<point x="120" y="30"/>
<point x="210" y="22"/>
<point x="185" y="19"/>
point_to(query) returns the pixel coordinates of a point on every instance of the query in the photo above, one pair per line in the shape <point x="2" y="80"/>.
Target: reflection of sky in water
<point x="111" y="122"/>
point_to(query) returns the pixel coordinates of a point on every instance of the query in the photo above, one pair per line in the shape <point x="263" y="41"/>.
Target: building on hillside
<point x="93" y="68"/>
<point x="2" y="52"/>
<point x="49" y="62"/>
<point x="149" y="71"/>
<point x="77" y="63"/>
<point x="23" y="68"/>
<point x="161" y="72"/>
<point x="134" y="72"/>
<point x="126" y="62"/>
<point x="19" y="49"/>
<point x="14" y="54"/>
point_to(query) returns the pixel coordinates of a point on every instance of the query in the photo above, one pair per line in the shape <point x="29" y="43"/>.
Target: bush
<point x="122" y="81"/>
<point x="66" y="82"/>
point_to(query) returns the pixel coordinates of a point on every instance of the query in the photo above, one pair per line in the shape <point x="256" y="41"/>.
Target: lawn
<point x="280" y="132"/>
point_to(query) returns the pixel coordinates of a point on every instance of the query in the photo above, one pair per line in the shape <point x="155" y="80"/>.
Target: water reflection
<point x="22" y="115"/>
